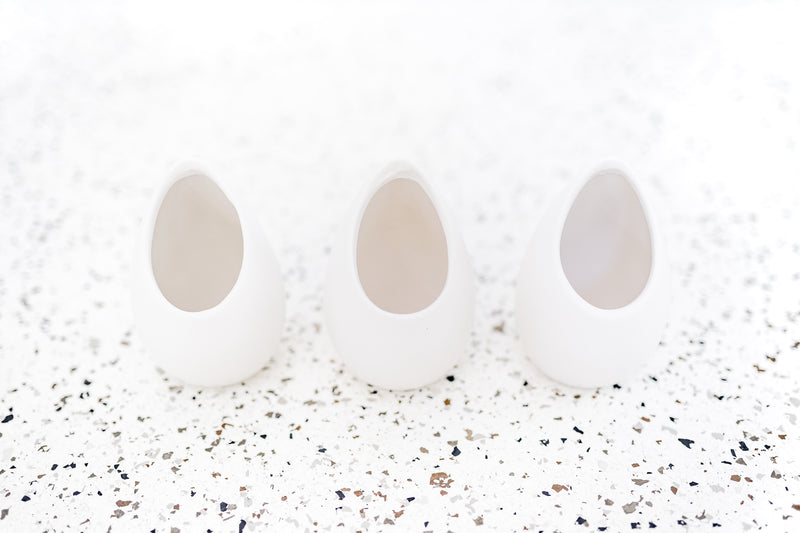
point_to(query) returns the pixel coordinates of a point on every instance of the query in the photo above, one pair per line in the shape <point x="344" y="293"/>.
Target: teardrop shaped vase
<point x="593" y="291"/>
<point x="400" y="291"/>
<point x="207" y="293"/>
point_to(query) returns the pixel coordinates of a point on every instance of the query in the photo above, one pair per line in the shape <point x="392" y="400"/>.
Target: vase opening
<point x="606" y="247"/>
<point x="401" y="251"/>
<point x="197" y="246"/>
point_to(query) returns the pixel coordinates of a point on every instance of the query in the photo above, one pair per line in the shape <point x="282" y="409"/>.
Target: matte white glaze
<point x="206" y="339"/>
<point x="407" y="325"/>
<point x="587" y="317"/>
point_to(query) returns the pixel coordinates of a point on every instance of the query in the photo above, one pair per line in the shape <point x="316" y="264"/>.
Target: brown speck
<point x="123" y="503"/>
<point x="440" y="479"/>
<point x="736" y="478"/>
<point x="558" y="488"/>
<point x="674" y="489"/>
<point x="478" y="521"/>
<point x="500" y="328"/>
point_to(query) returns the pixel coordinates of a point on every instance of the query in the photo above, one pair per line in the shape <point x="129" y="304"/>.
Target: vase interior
<point x="606" y="243"/>
<point x="401" y="249"/>
<point x="197" y="244"/>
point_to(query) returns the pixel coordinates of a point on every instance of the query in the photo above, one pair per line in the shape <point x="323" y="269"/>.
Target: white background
<point x="299" y="105"/>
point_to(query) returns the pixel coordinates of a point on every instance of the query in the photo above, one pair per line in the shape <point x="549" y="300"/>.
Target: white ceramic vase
<point x="593" y="292"/>
<point x="208" y="298"/>
<point x="400" y="291"/>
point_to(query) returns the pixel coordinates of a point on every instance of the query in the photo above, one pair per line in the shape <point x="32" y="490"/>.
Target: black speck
<point x="693" y="483"/>
<point x="242" y="523"/>
<point x="223" y="506"/>
<point x="634" y="525"/>
<point x="26" y="498"/>
<point x="578" y="430"/>
<point x="687" y="442"/>
<point x="545" y="493"/>
<point x="581" y="520"/>
<point x="8" y="418"/>
<point x="617" y="386"/>
<point x="340" y="494"/>
<point x="742" y="446"/>
<point x="451" y="378"/>
<point x="264" y="436"/>
<point x="192" y="492"/>
<point x="87" y="382"/>
<point x="410" y="499"/>
<point x="545" y="442"/>
<point x="53" y="467"/>
<point x="76" y="493"/>
<point x="651" y="525"/>
<point x="681" y="522"/>
<point x="323" y="450"/>
<point x="716" y="525"/>
<point x="124" y="476"/>
<point x="456" y="452"/>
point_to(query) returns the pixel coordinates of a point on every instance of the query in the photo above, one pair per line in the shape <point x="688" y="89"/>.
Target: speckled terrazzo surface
<point x="499" y="107"/>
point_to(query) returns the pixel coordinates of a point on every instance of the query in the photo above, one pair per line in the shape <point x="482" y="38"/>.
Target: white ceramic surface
<point x="593" y="291"/>
<point x="207" y="295"/>
<point x="400" y="291"/>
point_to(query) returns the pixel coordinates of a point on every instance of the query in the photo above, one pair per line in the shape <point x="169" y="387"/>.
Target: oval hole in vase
<point x="197" y="244"/>
<point x="401" y="252"/>
<point x="606" y="248"/>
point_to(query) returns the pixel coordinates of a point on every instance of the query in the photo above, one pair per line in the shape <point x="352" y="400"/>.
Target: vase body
<point x="593" y="290"/>
<point x="400" y="289"/>
<point x="207" y="293"/>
